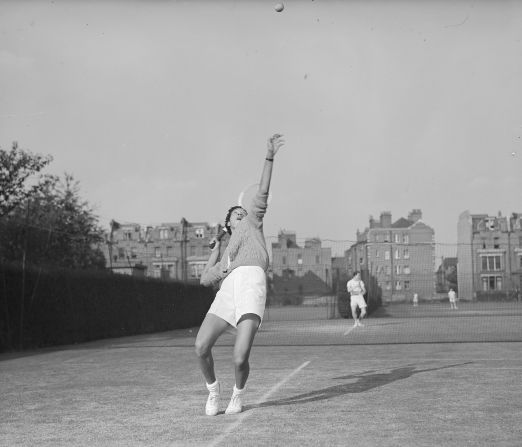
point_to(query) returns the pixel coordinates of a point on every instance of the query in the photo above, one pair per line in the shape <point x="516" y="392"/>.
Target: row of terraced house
<point x="398" y="257"/>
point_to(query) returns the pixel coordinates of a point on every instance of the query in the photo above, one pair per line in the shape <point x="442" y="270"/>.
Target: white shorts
<point x="242" y="292"/>
<point x="357" y="300"/>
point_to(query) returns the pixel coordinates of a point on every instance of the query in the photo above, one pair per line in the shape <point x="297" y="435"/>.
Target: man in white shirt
<point x="357" y="290"/>
<point x="452" y="299"/>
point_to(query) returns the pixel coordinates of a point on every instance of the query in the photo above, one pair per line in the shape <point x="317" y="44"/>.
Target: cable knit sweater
<point x="246" y="246"/>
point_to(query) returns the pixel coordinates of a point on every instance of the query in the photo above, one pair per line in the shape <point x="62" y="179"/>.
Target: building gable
<point x="420" y="225"/>
<point x="402" y="223"/>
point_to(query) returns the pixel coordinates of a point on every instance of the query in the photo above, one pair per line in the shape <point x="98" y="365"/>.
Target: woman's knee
<point x="240" y="359"/>
<point x="202" y="348"/>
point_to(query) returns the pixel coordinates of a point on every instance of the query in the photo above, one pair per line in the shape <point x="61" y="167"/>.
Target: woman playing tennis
<point x="240" y="300"/>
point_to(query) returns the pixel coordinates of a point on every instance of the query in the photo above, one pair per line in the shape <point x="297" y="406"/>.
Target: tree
<point x="18" y="176"/>
<point x="451" y="277"/>
<point x="44" y="222"/>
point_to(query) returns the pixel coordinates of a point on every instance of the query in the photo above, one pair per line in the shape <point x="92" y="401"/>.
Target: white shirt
<point x="356" y="287"/>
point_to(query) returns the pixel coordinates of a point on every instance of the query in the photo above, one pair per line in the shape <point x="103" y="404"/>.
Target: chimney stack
<point x="386" y="219"/>
<point x="415" y="215"/>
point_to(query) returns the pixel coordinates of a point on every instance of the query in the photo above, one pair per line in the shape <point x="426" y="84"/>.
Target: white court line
<point x="244" y="415"/>
<point x="349" y="330"/>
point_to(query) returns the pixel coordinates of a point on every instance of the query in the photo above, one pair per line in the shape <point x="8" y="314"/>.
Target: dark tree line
<point x="43" y="220"/>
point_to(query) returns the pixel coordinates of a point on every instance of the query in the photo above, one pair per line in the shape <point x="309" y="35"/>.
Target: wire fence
<point x="404" y="279"/>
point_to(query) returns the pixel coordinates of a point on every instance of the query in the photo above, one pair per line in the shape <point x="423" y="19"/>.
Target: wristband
<point x="269" y="159"/>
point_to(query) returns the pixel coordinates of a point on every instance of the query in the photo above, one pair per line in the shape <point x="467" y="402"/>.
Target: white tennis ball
<point x="279" y="7"/>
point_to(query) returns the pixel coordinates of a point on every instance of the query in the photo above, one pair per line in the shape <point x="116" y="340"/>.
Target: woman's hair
<point x="227" y="218"/>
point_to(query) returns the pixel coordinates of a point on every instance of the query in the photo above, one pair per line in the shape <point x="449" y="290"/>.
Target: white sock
<point x="237" y="390"/>
<point x="213" y="386"/>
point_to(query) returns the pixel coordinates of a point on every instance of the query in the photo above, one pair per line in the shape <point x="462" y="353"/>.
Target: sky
<point x="161" y="109"/>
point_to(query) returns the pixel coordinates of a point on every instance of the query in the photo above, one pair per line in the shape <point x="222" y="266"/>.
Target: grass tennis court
<point x="316" y="382"/>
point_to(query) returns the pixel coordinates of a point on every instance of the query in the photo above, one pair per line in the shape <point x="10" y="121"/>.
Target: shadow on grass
<point x="365" y="381"/>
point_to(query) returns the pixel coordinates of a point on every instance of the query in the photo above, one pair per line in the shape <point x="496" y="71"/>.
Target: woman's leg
<point x="210" y="330"/>
<point x="246" y="330"/>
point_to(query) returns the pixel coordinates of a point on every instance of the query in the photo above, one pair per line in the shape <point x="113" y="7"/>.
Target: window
<point x="407" y="270"/>
<point x="398" y="285"/>
<point x="121" y="253"/>
<point x="406" y="253"/>
<point x="387" y="255"/>
<point x="496" y="243"/>
<point x="397" y="254"/>
<point x="192" y="250"/>
<point x="133" y="253"/>
<point x="196" y="269"/>
<point x="378" y="237"/>
<point x="386" y="237"/>
<point x="163" y="233"/>
<point x="483" y="243"/>
<point x="157" y="252"/>
<point x="397" y="238"/>
<point x="168" y="251"/>
<point x="377" y="254"/>
<point x="388" y="285"/>
<point x="397" y="269"/>
<point x="156" y="270"/>
<point x="317" y="260"/>
<point x="406" y="285"/>
<point x="490" y="263"/>
<point x="406" y="239"/>
<point x="200" y="233"/>
<point x="299" y="259"/>
<point x="491" y="282"/>
<point x="490" y="223"/>
<point x="127" y="236"/>
<point x="388" y="270"/>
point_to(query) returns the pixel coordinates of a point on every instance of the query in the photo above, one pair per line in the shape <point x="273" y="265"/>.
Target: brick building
<point x="175" y="250"/>
<point x="399" y="255"/>
<point x="489" y="255"/>
<point x="302" y="270"/>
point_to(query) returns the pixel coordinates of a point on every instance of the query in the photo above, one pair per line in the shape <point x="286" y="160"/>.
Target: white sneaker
<point x="235" y="405"/>
<point x="212" y="406"/>
<point x="360" y="324"/>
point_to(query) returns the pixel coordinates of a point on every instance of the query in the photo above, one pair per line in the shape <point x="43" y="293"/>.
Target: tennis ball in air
<point x="279" y="7"/>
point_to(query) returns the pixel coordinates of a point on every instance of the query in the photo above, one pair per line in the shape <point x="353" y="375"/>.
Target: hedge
<point x="65" y="307"/>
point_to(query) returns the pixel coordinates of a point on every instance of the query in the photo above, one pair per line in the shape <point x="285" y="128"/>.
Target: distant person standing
<point x="452" y="299"/>
<point x="357" y="290"/>
<point x="415" y="299"/>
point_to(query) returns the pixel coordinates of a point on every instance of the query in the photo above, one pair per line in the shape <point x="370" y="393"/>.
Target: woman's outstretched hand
<point x="274" y="144"/>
